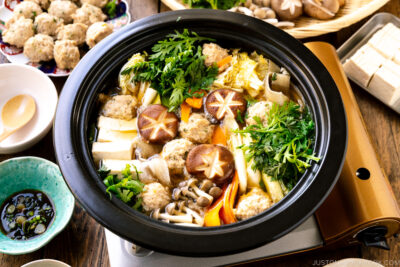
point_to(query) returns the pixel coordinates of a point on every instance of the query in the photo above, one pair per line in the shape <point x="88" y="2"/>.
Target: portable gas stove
<point x="360" y="209"/>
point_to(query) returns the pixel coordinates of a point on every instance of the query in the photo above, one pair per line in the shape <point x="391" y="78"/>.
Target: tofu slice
<point x="392" y="30"/>
<point x="385" y="42"/>
<point x="106" y="135"/>
<point x="112" y="150"/>
<point x="116" y="166"/>
<point x="392" y="66"/>
<point x="384" y="84"/>
<point x="117" y="124"/>
<point x="396" y="57"/>
<point x="363" y="64"/>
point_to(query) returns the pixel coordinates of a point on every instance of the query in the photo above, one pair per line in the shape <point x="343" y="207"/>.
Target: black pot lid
<point x="102" y="63"/>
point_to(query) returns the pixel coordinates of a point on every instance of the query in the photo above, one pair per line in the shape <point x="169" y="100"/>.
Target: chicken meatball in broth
<point x="197" y="130"/>
<point x="175" y="153"/>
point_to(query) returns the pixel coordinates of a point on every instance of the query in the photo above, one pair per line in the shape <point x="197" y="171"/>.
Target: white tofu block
<point x="363" y="64"/>
<point x="117" y="124"/>
<point x="385" y="43"/>
<point x="112" y="150"/>
<point x="106" y="135"/>
<point x="392" y="66"/>
<point x="392" y="30"/>
<point x="384" y="84"/>
<point x="116" y="166"/>
<point x="396" y="57"/>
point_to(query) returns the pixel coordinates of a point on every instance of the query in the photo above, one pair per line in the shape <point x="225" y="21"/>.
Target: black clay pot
<point x="101" y="65"/>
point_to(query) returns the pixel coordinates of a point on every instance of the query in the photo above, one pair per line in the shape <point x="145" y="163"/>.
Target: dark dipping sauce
<point x="26" y="214"/>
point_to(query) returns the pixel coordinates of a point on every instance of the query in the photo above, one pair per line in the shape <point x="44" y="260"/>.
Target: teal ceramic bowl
<point x="35" y="173"/>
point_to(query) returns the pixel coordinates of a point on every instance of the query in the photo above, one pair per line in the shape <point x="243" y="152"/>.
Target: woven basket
<point x="352" y="12"/>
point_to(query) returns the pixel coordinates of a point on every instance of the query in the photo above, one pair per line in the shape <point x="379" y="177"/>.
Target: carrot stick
<point x="219" y="137"/>
<point x="194" y="102"/>
<point x="226" y="212"/>
<point x="224" y="61"/>
<point x="185" y="112"/>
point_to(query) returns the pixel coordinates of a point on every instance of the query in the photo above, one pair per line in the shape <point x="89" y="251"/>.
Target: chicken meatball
<point x="63" y="9"/>
<point x="120" y="107"/>
<point x="47" y="24"/>
<point x="260" y="110"/>
<point x="89" y="14"/>
<point x="97" y="32"/>
<point x="213" y="53"/>
<point x="75" y="32"/>
<point x="155" y="196"/>
<point x="252" y="203"/>
<point x="66" y="54"/>
<point x="42" y="3"/>
<point x="19" y="32"/>
<point x="98" y="3"/>
<point x="198" y="129"/>
<point x="28" y="10"/>
<point x="39" y="48"/>
<point x="175" y="153"/>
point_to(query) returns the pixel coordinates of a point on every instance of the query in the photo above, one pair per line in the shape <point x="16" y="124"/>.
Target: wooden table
<point x="83" y="243"/>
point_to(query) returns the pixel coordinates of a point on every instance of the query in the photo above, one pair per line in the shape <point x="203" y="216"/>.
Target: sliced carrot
<point x="226" y="212"/>
<point x="194" y="102"/>
<point x="224" y="61"/>
<point x="211" y="217"/>
<point x="219" y="137"/>
<point x="185" y="112"/>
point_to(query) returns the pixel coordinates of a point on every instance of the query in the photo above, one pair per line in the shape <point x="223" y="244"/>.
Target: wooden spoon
<point x="17" y="112"/>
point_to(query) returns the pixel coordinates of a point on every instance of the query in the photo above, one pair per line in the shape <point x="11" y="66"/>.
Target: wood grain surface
<point x="83" y="243"/>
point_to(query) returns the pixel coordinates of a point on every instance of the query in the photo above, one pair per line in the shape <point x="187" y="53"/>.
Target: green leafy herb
<point x="111" y="9"/>
<point x="214" y="4"/>
<point x="274" y="76"/>
<point x="239" y="116"/>
<point x="176" y="68"/>
<point x="127" y="189"/>
<point x="283" y="148"/>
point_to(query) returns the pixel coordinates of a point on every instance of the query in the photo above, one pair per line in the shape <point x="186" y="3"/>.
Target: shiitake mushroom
<point x="157" y="125"/>
<point x="222" y="102"/>
<point x="208" y="161"/>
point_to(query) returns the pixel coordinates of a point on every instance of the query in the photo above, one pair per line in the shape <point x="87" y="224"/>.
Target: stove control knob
<point x="374" y="237"/>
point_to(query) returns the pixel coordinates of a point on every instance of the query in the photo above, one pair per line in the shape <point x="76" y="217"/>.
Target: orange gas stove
<point x="360" y="209"/>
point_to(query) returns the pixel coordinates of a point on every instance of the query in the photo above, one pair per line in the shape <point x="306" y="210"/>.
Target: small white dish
<point x="46" y="263"/>
<point x="16" y="79"/>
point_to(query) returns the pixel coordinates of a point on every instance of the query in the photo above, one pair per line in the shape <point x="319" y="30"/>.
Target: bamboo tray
<point x="352" y="12"/>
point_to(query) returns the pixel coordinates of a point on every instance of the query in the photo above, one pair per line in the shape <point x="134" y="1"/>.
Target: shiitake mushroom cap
<point x="221" y="102"/>
<point x="208" y="161"/>
<point x="157" y="125"/>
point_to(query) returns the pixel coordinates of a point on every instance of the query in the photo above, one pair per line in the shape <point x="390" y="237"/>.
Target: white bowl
<point x="18" y="79"/>
<point x="46" y="263"/>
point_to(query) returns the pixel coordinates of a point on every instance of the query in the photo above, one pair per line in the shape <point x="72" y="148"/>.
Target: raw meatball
<point x="63" y="9"/>
<point x="252" y="203"/>
<point x="39" y="48"/>
<point x="155" y="196"/>
<point x="259" y="109"/>
<point x="198" y="129"/>
<point x="175" y="153"/>
<point x="18" y="32"/>
<point x="28" y="10"/>
<point x="97" y="32"/>
<point x="66" y="54"/>
<point x="89" y="14"/>
<point x="42" y="3"/>
<point x="213" y="53"/>
<point x="98" y="3"/>
<point x="75" y="32"/>
<point x="120" y="107"/>
<point x="47" y="24"/>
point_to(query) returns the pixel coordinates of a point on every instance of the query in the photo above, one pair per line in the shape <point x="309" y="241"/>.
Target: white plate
<point x="15" y="55"/>
<point x="36" y="84"/>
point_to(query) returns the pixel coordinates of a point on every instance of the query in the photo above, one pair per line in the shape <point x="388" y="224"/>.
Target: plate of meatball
<point x="53" y="35"/>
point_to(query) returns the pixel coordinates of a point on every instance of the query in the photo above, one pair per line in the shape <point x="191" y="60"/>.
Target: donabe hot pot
<point x="102" y="64"/>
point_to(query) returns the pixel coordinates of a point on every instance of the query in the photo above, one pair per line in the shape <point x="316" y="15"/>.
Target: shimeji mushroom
<point x="321" y="9"/>
<point x="184" y="211"/>
<point x="203" y="199"/>
<point x="186" y="218"/>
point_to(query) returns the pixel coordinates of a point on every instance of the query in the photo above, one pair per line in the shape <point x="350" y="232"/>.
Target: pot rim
<point x="297" y="206"/>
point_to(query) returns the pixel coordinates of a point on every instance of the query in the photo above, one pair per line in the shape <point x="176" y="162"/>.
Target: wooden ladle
<point x="16" y="113"/>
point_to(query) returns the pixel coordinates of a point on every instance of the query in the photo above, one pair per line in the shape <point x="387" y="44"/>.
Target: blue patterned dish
<point x="35" y="173"/>
<point x="15" y="55"/>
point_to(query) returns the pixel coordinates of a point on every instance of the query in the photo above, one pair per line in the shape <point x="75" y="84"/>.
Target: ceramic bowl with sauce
<point x="37" y="174"/>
